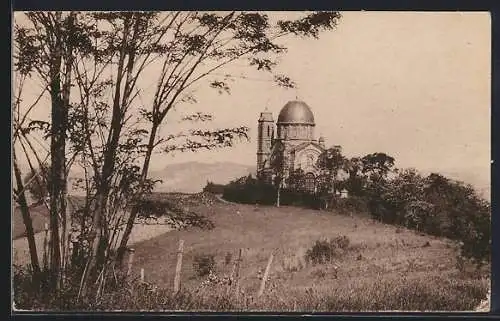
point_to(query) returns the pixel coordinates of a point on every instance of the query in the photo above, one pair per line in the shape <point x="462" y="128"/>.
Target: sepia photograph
<point x="251" y="161"/>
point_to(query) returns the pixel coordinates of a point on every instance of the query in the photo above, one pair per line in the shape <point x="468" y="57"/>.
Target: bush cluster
<point x="32" y="292"/>
<point x="249" y="190"/>
<point x="214" y="188"/>
<point x="435" y="205"/>
<point x="352" y="204"/>
<point x="324" y="251"/>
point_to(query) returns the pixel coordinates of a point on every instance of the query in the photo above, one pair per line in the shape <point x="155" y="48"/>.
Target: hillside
<point x="191" y="177"/>
<point x="383" y="267"/>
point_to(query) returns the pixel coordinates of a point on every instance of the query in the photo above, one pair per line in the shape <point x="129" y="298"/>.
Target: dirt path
<point x="219" y="198"/>
<point x="140" y="232"/>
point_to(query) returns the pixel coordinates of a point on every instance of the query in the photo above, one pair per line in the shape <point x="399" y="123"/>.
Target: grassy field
<point x="383" y="268"/>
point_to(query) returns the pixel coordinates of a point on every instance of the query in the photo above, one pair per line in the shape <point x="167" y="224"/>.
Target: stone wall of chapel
<point x="288" y="158"/>
<point x="264" y="143"/>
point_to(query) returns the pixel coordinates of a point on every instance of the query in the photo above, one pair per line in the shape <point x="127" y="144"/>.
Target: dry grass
<point x="379" y="257"/>
<point x="383" y="267"/>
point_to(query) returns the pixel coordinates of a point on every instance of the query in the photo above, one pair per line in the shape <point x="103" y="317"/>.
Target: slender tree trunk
<point x="66" y="92"/>
<point x="103" y="188"/>
<point x="133" y="214"/>
<point x="30" y="235"/>
<point x="278" y="196"/>
<point x="57" y="149"/>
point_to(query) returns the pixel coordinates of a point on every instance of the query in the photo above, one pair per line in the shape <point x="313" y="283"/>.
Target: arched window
<point x="268" y="131"/>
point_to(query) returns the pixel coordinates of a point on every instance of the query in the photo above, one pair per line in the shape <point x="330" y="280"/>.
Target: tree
<point x="355" y="182"/>
<point x="20" y="197"/>
<point x="19" y="140"/>
<point x="460" y="214"/>
<point x="406" y="194"/>
<point x="209" y="43"/>
<point x="99" y="58"/>
<point x="377" y="165"/>
<point x="332" y="161"/>
<point x="436" y="205"/>
<point x="47" y="50"/>
<point x="278" y="163"/>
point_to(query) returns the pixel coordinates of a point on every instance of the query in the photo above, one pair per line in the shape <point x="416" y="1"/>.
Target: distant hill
<point x="191" y="177"/>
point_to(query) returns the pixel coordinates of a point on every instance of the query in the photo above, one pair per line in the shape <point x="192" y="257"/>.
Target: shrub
<point x="214" y="188"/>
<point x="203" y="264"/>
<point x="341" y="242"/>
<point x="435" y="205"/>
<point x="350" y="205"/>
<point x="323" y="251"/>
<point x="249" y="190"/>
<point x="40" y="295"/>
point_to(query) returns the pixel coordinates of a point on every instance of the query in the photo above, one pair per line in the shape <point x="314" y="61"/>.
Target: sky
<point x="415" y="85"/>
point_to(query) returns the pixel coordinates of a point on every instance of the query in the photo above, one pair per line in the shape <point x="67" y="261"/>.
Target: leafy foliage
<point x="177" y="215"/>
<point x="214" y="188"/>
<point x="433" y="204"/>
<point x="90" y="65"/>
<point x="324" y="251"/>
<point x="438" y="206"/>
<point x="377" y="164"/>
<point x="331" y="161"/>
<point x="249" y="190"/>
<point x="38" y="183"/>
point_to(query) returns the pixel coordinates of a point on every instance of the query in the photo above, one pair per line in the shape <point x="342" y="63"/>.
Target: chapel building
<point x="291" y="137"/>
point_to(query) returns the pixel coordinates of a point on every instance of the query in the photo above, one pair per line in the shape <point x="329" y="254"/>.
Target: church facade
<point x="292" y="137"/>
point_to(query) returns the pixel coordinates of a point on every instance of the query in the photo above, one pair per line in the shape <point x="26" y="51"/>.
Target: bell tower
<point x="264" y="140"/>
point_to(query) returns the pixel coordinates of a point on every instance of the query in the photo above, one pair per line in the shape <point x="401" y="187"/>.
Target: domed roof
<point x="296" y="112"/>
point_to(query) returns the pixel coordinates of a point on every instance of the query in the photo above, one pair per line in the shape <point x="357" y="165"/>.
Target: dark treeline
<point x="432" y="204"/>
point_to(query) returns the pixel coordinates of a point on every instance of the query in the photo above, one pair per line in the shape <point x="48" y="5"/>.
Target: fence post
<point x="231" y="278"/>
<point x="237" y="274"/>
<point x="130" y="261"/>
<point x="266" y="275"/>
<point x="142" y="275"/>
<point x="177" y="279"/>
